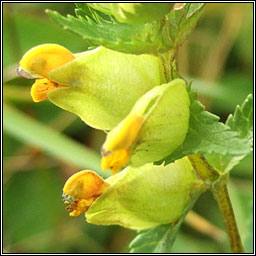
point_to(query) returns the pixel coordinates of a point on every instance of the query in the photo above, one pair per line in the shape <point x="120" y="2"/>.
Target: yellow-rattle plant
<point x="135" y="94"/>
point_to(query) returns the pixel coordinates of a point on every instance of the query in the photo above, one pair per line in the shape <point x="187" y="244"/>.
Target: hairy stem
<point x="167" y="59"/>
<point x="222" y="197"/>
<point x="218" y="186"/>
<point x="203" y="169"/>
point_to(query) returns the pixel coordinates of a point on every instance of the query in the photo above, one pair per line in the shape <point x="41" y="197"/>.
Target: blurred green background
<point x="43" y="145"/>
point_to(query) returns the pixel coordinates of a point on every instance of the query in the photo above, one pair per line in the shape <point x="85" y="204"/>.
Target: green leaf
<point x="134" y="13"/>
<point x="52" y="142"/>
<point x="242" y="120"/>
<point x="208" y="136"/>
<point x="242" y="123"/>
<point x="152" y="38"/>
<point x="192" y="9"/>
<point x="84" y="10"/>
<point x="137" y="39"/>
<point x="102" y="7"/>
<point x="226" y="93"/>
<point x="182" y="22"/>
<point x="149" y="241"/>
<point x="160" y="239"/>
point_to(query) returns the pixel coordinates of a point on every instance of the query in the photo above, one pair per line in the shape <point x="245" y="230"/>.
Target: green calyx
<point x="144" y="197"/>
<point x="166" y="121"/>
<point x="157" y="125"/>
<point x="104" y="85"/>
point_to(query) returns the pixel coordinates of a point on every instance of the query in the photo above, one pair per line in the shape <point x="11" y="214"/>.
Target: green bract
<point x="104" y="85"/>
<point x="144" y="197"/>
<point x="134" y="12"/>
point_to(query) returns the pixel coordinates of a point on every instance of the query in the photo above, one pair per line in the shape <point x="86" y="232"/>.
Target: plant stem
<point x="167" y="59"/>
<point x="218" y="186"/>
<point x="203" y="169"/>
<point x="222" y="197"/>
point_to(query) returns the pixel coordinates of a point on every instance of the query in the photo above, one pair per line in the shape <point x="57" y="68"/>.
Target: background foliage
<point x="43" y="145"/>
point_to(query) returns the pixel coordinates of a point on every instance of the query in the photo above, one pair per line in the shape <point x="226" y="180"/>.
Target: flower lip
<point x="41" y="87"/>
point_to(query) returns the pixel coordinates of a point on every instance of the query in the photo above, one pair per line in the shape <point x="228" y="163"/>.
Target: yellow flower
<point x="38" y="62"/>
<point x="155" y="127"/>
<point x="135" y="198"/>
<point x="81" y="190"/>
<point x="100" y="85"/>
<point x="117" y="148"/>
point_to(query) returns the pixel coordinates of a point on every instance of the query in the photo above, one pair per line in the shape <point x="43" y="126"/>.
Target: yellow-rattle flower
<point x="100" y="85"/>
<point x="38" y="62"/>
<point x="135" y="198"/>
<point x="157" y="124"/>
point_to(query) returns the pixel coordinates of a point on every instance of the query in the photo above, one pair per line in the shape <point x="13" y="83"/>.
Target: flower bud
<point x="155" y="127"/>
<point x="100" y="86"/>
<point x="134" y="13"/>
<point x="144" y="197"/>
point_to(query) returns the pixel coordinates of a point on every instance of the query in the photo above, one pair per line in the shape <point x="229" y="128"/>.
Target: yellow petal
<point x="41" y="87"/>
<point x="116" y="149"/>
<point x="116" y="160"/>
<point x="124" y="135"/>
<point x="81" y="190"/>
<point x="40" y="60"/>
